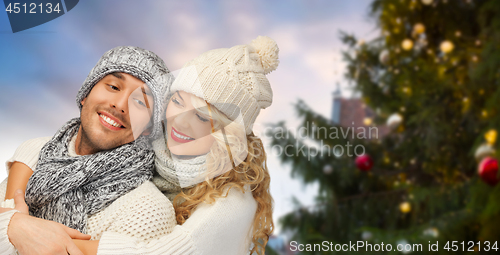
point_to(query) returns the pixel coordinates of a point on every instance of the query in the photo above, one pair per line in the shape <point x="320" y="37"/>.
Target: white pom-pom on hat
<point x="268" y="50"/>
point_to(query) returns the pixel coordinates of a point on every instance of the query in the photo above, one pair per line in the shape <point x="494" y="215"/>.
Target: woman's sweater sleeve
<point x="28" y="152"/>
<point x="222" y="227"/>
<point x="6" y="248"/>
<point x="143" y="213"/>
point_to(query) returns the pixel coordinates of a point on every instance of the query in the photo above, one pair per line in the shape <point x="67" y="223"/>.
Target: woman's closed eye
<point x="202" y="118"/>
<point x="176" y="101"/>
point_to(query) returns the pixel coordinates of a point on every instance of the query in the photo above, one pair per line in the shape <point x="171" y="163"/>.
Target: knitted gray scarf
<point x="68" y="189"/>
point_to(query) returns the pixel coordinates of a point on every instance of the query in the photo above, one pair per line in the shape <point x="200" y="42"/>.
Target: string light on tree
<point x="405" y="207"/>
<point x="419" y="28"/>
<point x="328" y="169"/>
<point x="405" y="246"/>
<point x="383" y="57"/>
<point x="427" y="2"/>
<point x="484" y="113"/>
<point x="446" y="46"/>
<point x="421" y="42"/>
<point x="367" y="121"/>
<point x="366" y="235"/>
<point x="433" y="232"/>
<point x="407" y="44"/>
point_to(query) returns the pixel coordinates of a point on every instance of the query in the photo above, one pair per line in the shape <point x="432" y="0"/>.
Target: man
<point x="93" y="160"/>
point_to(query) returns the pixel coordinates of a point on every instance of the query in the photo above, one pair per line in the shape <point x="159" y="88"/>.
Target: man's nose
<point x="120" y="102"/>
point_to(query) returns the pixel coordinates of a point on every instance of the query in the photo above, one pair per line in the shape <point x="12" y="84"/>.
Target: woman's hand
<point x="32" y="235"/>
<point x="22" y="206"/>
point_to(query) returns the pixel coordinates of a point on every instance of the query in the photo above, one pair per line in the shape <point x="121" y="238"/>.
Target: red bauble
<point x="364" y="162"/>
<point x="488" y="170"/>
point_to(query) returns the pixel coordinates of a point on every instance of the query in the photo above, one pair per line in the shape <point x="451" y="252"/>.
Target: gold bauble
<point x="407" y="44"/>
<point x="446" y="46"/>
<point x="427" y="2"/>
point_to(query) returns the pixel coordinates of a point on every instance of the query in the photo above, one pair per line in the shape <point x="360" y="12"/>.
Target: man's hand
<point x="32" y="235"/>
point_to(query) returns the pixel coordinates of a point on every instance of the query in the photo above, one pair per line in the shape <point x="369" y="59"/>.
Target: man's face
<point x="117" y="110"/>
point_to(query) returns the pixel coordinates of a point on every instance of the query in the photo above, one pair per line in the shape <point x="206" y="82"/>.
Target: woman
<point x="214" y="167"/>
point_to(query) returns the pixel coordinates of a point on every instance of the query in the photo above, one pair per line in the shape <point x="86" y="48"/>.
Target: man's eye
<point x="201" y="118"/>
<point x="113" y="87"/>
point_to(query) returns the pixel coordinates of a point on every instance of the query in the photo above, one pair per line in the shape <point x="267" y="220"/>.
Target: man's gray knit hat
<point x="140" y="63"/>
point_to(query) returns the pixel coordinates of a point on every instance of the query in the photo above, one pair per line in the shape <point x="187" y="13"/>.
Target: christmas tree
<point x="432" y="79"/>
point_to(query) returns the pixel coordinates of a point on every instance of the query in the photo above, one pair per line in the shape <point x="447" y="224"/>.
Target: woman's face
<point x="188" y="131"/>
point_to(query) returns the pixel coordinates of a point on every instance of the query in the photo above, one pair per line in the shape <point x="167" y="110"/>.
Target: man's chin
<point x="101" y="143"/>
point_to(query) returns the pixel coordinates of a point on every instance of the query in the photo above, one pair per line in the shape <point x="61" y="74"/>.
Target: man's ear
<point x="83" y="101"/>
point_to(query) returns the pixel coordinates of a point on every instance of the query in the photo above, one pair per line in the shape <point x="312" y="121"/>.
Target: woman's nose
<point x="182" y="119"/>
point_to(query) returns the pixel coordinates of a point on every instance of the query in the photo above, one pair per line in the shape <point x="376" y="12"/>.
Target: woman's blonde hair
<point x="224" y="175"/>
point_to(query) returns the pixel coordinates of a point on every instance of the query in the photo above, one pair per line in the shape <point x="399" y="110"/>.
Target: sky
<point x="42" y="68"/>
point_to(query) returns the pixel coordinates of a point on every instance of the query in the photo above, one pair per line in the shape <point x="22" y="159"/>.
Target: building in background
<point x="349" y="112"/>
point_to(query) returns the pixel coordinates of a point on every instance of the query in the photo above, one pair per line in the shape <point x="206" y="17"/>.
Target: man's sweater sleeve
<point x="222" y="227"/>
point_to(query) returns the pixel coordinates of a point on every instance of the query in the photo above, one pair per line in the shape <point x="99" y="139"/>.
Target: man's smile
<point x="110" y="121"/>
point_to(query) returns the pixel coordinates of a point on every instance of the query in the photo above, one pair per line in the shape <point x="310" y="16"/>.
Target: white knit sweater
<point x="143" y="220"/>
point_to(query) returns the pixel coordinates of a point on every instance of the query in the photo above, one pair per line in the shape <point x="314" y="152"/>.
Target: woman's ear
<point x="148" y="129"/>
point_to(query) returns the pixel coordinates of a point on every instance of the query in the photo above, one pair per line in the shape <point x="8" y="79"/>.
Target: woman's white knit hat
<point x="233" y="80"/>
